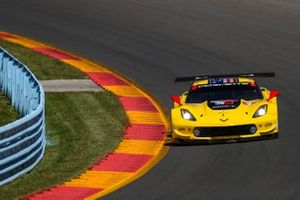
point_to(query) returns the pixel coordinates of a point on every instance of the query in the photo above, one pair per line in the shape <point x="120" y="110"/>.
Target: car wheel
<point x="177" y="141"/>
<point x="276" y="135"/>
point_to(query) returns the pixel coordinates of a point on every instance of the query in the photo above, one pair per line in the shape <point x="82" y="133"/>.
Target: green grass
<point x="43" y="67"/>
<point x="7" y="112"/>
<point x="81" y="128"/>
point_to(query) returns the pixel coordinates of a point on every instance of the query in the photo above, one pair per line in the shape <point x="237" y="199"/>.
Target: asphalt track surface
<point x="154" y="41"/>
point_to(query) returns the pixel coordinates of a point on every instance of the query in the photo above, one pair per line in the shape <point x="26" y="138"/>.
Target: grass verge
<point x="42" y="66"/>
<point x="81" y="128"/>
<point x="7" y="112"/>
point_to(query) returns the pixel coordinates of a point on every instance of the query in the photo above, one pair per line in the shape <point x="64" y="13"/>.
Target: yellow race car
<point x="228" y="108"/>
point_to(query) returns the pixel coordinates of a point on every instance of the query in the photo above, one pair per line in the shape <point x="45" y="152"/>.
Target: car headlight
<point x="187" y="115"/>
<point x="261" y="111"/>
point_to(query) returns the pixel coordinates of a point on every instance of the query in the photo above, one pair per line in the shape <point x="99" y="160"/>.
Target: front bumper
<point x="222" y="141"/>
<point x="262" y="132"/>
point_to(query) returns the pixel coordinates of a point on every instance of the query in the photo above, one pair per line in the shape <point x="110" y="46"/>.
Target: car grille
<point x="225" y="131"/>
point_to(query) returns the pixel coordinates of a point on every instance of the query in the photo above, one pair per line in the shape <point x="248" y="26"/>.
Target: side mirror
<point x="273" y="93"/>
<point x="176" y="99"/>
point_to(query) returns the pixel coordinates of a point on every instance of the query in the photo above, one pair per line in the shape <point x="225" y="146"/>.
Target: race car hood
<point x="213" y="113"/>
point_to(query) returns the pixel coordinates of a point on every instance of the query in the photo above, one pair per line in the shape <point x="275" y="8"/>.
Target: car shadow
<point x="169" y="142"/>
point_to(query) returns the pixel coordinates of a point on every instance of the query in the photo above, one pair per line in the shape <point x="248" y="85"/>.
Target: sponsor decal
<point x="224" y="102"/>
<point x="222" y="80"/>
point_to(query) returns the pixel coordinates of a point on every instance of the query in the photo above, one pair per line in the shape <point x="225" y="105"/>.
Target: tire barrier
<point x="22" y="142"/>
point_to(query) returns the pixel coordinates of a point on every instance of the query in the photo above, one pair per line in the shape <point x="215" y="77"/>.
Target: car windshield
<point x="223" y="92"/>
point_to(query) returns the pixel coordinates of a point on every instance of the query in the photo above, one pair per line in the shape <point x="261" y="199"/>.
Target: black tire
<point x="177" y="141"/>
<point x="275" y="135"/>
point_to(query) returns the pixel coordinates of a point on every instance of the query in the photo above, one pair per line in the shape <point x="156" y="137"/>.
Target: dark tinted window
<point x="224" y="92"/>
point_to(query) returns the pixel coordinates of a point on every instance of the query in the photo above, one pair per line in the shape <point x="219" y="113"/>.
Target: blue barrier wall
<point x="22" y="142"/>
